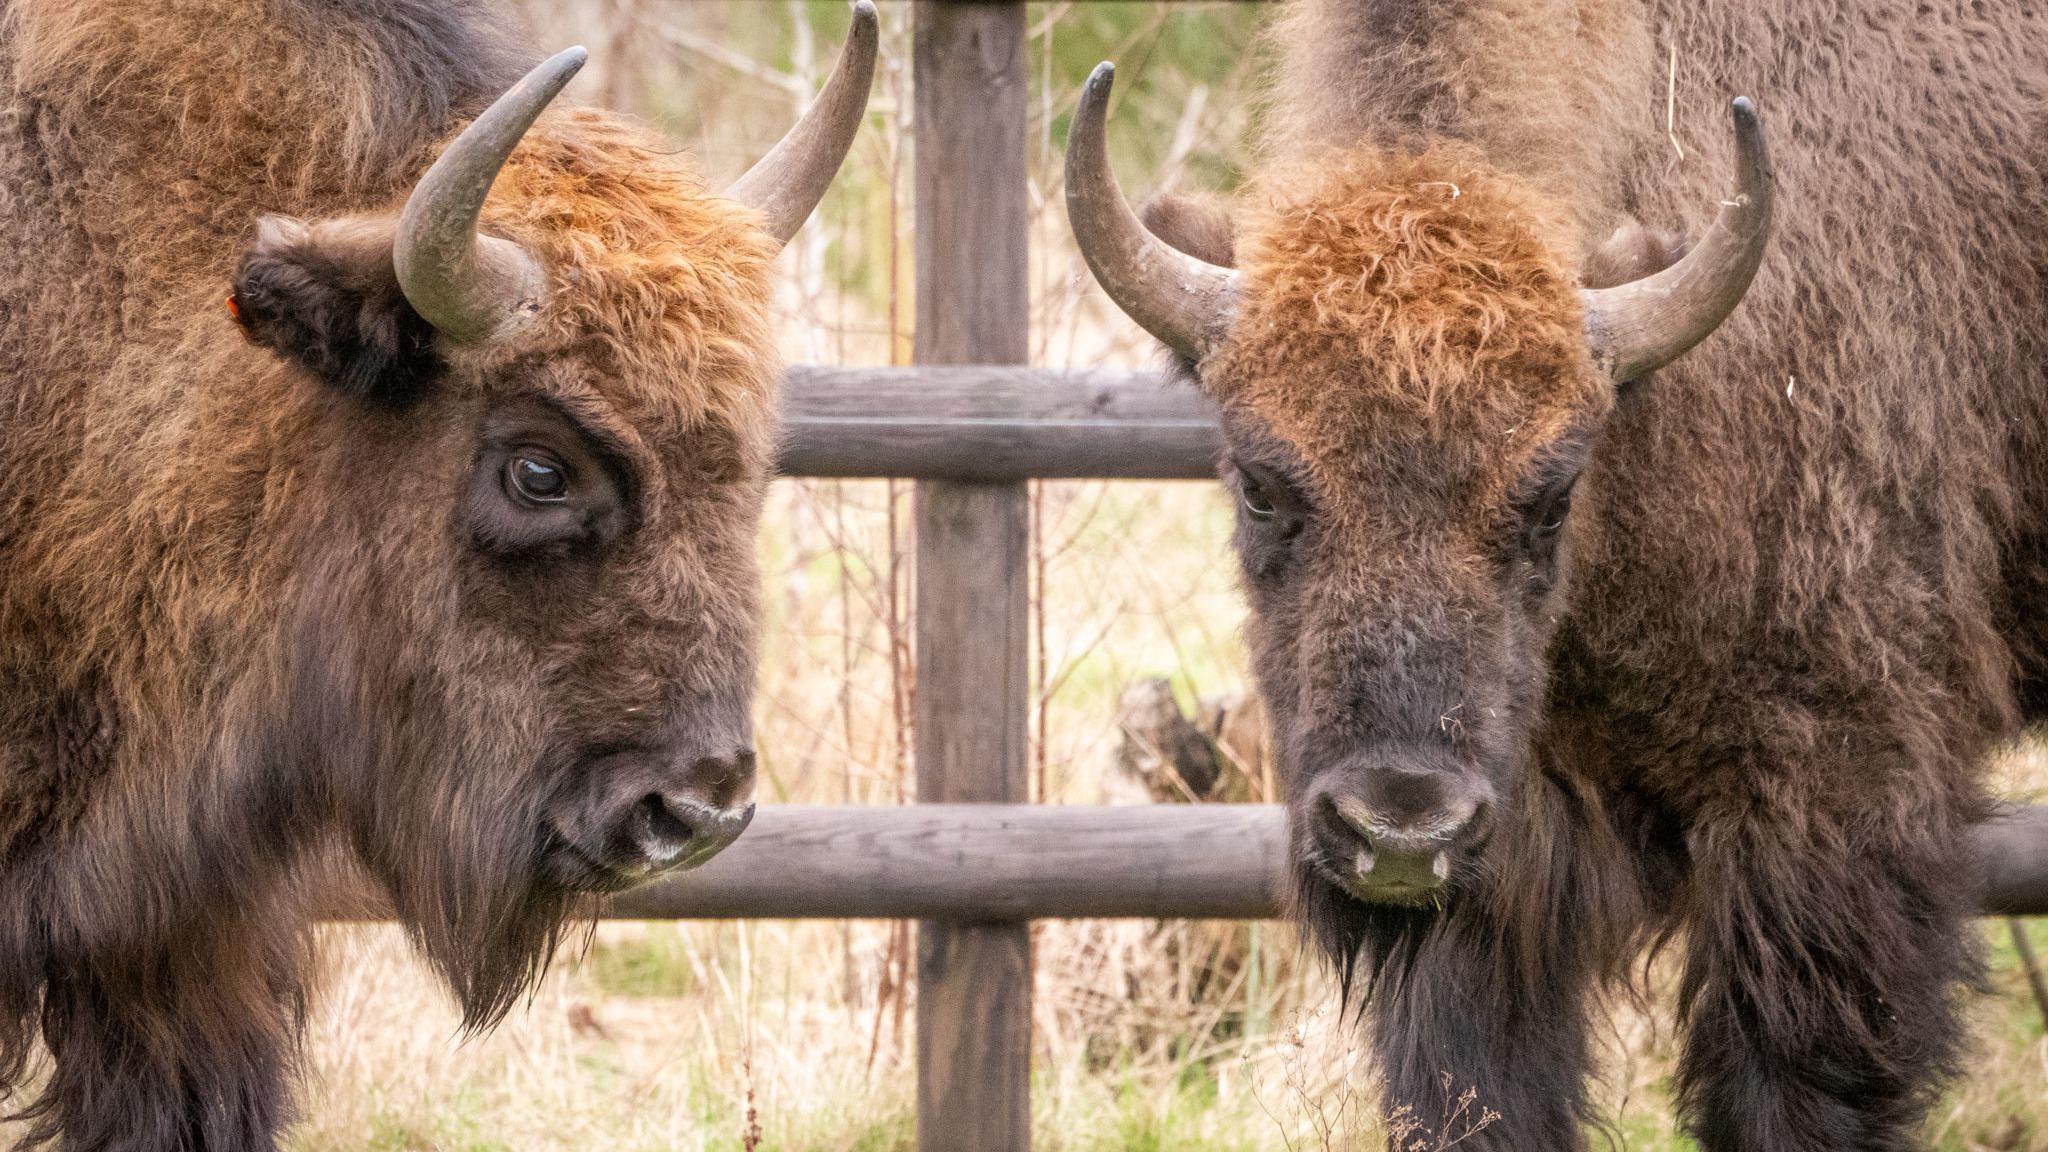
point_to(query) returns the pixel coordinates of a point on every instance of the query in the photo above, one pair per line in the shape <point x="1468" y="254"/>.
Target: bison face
<point x="1410" y="405"/>
<point x="524" y="471"/>
<point x="519" y="638"/>
<point x="1411" y="410"/>
<point x="626" y="575"/>
<point x="1413" y="375"/>
<point x="1400" y="614"/>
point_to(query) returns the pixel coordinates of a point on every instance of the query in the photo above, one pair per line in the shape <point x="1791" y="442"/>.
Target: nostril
<point x="668" y="830"/>
<point x="1352" y="816"/>
<point x="1342" y="826"/>
<point x="672" y="829"/>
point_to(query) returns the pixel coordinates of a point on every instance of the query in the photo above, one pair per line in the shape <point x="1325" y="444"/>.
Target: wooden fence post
<point x="973" y="307"/>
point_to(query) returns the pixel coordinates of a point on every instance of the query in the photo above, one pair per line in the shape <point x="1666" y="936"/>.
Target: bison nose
<point x="1388" y="834"/>
<point x="630" y="813"/>
<point x="673" y="831"/>
<point x="691" y="819"/>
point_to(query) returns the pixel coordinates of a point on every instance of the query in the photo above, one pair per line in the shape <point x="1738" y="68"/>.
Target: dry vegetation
<point x="797" y="1036"/>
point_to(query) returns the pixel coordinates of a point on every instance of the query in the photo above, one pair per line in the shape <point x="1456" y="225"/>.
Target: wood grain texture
<point x="994" y="423"/>
<point x="970" y="86"/>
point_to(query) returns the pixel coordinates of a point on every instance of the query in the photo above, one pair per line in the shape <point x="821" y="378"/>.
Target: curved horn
<point x="1645" y="324"/>
<point x="1187" y="303"/>
<point x="469" y="286"/>
<point x="789" y="181"/>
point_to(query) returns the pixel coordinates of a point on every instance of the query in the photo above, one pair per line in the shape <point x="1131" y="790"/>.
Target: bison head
<point x="516" y="644"/>
<point x="1413" y="383"/>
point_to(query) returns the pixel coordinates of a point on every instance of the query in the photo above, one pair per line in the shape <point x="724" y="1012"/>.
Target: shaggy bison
<point x="1575" y="642"/>
<point x="433" y="548"/>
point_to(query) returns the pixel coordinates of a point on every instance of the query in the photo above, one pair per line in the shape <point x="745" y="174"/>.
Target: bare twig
<point x="1671" y="103"/>
<point x="2029" y="964"/>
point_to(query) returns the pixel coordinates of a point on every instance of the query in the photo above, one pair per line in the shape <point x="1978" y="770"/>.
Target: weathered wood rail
<point x="1014" y="862"/>
<point x="994" y="424"/>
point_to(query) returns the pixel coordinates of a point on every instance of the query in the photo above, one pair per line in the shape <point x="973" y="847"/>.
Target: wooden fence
<point x="970" y="424"/>
<point x="1012" y="862"/>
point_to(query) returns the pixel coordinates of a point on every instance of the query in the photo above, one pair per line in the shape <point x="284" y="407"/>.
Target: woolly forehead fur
<point x="1414" y="299"/>
<point x="661" y="288"/>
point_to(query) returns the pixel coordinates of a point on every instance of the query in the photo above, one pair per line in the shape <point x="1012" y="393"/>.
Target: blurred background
<point x="797" y="1036"/>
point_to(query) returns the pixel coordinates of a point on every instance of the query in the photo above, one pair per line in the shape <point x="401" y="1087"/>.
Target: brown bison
<point x="434" y="547"/>
<point x="1574" y="642"/>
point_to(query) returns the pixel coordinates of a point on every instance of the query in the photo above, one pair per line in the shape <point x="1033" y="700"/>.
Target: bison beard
<point x="1495" y="990"/>
<point x="449" y="829"/>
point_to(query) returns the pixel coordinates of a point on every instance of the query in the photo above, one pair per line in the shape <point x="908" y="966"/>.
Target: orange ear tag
<point x="235" y="314"/>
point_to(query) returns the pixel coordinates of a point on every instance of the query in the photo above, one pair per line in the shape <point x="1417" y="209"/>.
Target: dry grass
<point x="797" y="1036"/>
<point x="670" y="1036"/>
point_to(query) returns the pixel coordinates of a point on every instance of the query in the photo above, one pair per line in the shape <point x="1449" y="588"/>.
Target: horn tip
<point x="1101" y="78"/>
<point x="866" y="32"/>
<point x="1749" y="138"/>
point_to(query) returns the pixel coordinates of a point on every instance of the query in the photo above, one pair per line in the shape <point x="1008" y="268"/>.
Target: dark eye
<point x="1551" y="516"/>
<point x="1257" y="504"/>
<point x="1543" y="523"/>
<point x="536" y="476"/>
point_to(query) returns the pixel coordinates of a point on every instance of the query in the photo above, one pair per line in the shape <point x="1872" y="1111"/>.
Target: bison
<point x="1576" y="643"/>
<point x="432" y="548"/>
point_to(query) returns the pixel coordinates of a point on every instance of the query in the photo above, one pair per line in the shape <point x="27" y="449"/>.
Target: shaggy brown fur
<point x="1742" y="693"/>
<point x="246" y="608"/>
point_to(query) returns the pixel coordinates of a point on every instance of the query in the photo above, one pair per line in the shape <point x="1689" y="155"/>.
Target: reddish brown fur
<point x="1798" y="598"/>
<point x="239" y="615"/>
<point x="1448" y="317"/>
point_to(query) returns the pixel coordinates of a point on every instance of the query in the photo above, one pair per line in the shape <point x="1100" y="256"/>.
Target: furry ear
<point x="324" y="296"/>
<point x="1631" y="253"/>
<point x="1199" y="225"/>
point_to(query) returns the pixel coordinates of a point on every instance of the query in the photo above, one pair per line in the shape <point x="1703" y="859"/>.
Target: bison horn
<point x="789" y="181"/>
<point x="1645" y="324"/>
<point x="1187" y="303"/>
<point x="469" y="286"/>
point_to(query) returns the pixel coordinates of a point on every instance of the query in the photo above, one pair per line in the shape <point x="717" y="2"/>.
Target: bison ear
<point x="1631" y="253"/>
<point x="1198" y="225"/>
<point x="325" y="296"/>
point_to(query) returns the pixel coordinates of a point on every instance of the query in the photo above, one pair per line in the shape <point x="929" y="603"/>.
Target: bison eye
<point x="536" y="477"/>
<point x="1551" y="516"/>
<point x="1543" y="523"/>
<point x="1257" y="504"/>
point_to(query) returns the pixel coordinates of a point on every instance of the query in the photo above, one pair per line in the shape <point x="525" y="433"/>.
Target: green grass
<point x="649" y="965"/>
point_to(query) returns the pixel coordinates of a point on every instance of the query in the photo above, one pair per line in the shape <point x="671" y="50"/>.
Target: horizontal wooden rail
<point x="996" y="423"/>
<point x="986" y="862"/>
<point x="992" y="862"/>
